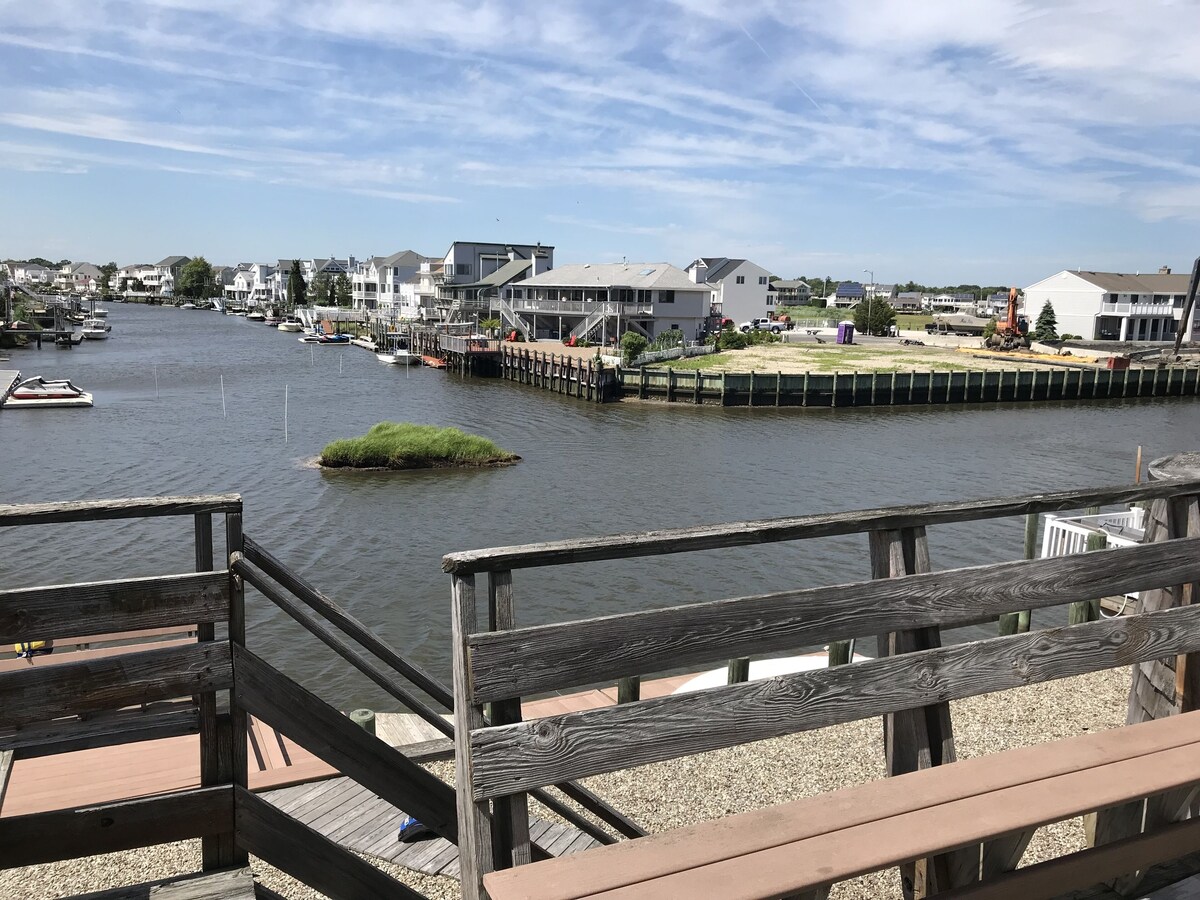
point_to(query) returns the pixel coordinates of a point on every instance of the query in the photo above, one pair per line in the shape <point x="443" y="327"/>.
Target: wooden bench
<point x="957" y="827"/>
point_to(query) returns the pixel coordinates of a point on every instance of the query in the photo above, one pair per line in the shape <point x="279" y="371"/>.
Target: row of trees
<point x="819" y="285"/>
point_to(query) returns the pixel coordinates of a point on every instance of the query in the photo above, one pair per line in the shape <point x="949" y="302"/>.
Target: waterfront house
<point x="880" y="292"/>
<point x="252" y="284"/>
<point x="601" y="301"/>
<point x="29" y="274"/>
<point x="474" y="276"/>
<point x="848" y="295"/>
<point x="790" y="292"/>
<point x="741" y="289"/>
<point x="80" y="277"/>
<point x="961" y="304"/>
<point x="909" y="301"/>
<point x="1113" y="305"/>
<point x="161" y="280"/>
<point x="375" y="282"/>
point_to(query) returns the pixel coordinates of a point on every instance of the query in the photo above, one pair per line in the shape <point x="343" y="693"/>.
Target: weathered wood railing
<point x="71" y="704"/>
<point x="910" y="683"/>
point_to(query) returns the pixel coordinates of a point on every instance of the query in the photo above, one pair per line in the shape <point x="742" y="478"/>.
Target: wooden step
<point x="234" y="884"/>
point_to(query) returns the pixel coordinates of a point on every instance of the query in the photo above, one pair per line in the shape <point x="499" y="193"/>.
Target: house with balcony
<point x="31" y="274"/>
<point x="251" y="285"/>
<point x="1114" y="306"/>
<point x="474" y="276"/>
<point x="376" y="282"/>
<point x="79" y="278"/>
<point x="166" y="273"/>
<point x="741" y="289"/>
<point x="909" y="301"/>
<point x="599" y="302"/>
<point x="848" y="295"/>
<point x="790" y="292"/>
<point x="880" y="291"/>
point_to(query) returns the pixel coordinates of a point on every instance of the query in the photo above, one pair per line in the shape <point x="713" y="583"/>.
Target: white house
<point x="600" y="302"/>
<point x="376" y="282"/>
<point x="252" y="284"/>
<point x="742" y="289"/>
<point x="1112" y="305"/>
<point x="31" y="274"/>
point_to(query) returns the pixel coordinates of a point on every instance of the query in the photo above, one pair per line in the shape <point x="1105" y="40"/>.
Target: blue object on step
<point x="411" y="829"/>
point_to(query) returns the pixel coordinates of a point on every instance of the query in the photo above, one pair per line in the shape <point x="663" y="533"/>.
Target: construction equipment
<point x="1013" y="332"/>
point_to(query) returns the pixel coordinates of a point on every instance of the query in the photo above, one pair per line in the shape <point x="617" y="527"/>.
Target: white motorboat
<point x="256" y="316"/>
<point x="96" y="329"/>
<point x="399" y="354"/>
<point x="100" y="313"/>
<point x="367" y="343"/>
<point x="187" y="306"/>
<point x="38" y="392"/>
<point x="291" y="323"/>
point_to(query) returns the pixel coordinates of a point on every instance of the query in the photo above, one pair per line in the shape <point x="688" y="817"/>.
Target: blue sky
<point x="943" y="141"/>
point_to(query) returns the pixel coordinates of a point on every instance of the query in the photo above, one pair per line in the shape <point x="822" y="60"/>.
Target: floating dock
<point x="9" y="378"/>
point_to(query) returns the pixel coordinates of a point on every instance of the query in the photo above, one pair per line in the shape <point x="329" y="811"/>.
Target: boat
<point x="255" y="316"/>
<point x="367" y="343"/>
<point x="272" y="321"/>
<point x="319" y="337"/>
<point x="38" y="392"/>
<point x="96" y="329"/>
<point x="399" y="355"/>
<point x="99" y="313"/>
<point x="290" y="323"/>
<point x="187" y="306"/>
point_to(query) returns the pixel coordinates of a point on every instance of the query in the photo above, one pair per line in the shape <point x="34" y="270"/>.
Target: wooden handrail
<point x="526" y="661"/>
<point x="329" y="635"/>
<point x="128" y="508"/>
<point x="763" y="531"/>
<point x="581" y="744"/>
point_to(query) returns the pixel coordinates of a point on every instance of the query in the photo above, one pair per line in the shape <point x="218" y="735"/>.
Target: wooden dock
<point x="8" y="380"/>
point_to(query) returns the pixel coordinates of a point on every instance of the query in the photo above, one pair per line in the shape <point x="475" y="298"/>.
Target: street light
<point x="869" y="298"/>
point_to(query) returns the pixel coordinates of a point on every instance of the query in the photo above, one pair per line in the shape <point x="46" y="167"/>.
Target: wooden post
<point x="510" y="814"/>
<point x="1088" y="610"/>
<point x="671" y="384"/>
<point x="778" y="380"/>
<point x="804" y="391"/>
<point x="739" y="670"/>
<point x="236" y="734"/>
<point x="1018" y="622"/>
<point x="919" y="738"/>
<point x="216" y="850"/>
<point x="722" y="388"/>
<point x="892" y="395"/>
<point x="833" y="392"/>
<point x="629" y="689"/>
<point x="750" y="398"/>
<point x="474" y="824"/>
<point x="838" y="653"/>
<point x="696" y="387"/>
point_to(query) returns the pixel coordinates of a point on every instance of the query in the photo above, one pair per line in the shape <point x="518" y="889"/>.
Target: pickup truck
<point x="775" y="326"/>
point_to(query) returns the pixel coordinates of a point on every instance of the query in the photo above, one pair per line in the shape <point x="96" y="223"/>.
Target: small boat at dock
<point x="100" y="313"/>
<point x="290" y="323"/>
<point x="399" y="354"/>
<point x="96" y="329"/>
<point x="38" y="392"/>
<point x="367" y="343"/>
<point x="255" y="316"/>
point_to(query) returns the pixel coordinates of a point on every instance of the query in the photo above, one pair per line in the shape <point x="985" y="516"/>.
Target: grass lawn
<point x="912" y="321"/>
<point x="694" y="362"/>
<point x="403" y="445"/>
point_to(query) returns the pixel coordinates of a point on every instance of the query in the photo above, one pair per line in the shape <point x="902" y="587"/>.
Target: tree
<point x="296" y="288"/>
<point x="318" y="289"/>
<point x="874" y="317"/>
<point x="1046" y="328"/>
<point x="342" y="291"/>
<point x="107" y="271"/>
<point x="40" y="261"/>
<point x="195" y="279"/>
<point x="331" y="296"/>
<point x="633" y="345"/>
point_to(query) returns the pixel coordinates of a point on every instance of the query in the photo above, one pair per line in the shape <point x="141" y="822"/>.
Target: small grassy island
<point x="403" y="445"/>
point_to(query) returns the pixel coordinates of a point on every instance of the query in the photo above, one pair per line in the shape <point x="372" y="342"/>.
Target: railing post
<point x="510" y="835"/>
<point x="475" y="851"/>
<point x="216" y="850"/>
<point x="1018" y="622"/>
<point x="237" y="731"/>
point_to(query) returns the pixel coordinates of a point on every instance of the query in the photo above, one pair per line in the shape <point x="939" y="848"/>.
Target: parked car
<point x="775" y="326"/>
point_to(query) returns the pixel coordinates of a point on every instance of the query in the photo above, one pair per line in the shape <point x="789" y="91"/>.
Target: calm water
<point x="375" y="541"/>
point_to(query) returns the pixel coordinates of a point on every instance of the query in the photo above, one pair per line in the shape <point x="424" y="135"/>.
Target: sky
<point x="945" y="142"/>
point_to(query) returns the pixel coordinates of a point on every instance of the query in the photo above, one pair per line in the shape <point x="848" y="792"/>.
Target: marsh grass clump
<point x="403" y="445"/>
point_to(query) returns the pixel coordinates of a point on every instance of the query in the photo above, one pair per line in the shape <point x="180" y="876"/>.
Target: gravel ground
<point x="694" y="789"/>
<point x="792" y="359"/>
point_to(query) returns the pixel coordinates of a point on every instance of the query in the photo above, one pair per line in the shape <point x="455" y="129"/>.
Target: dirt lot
<point x="798" y="358"/>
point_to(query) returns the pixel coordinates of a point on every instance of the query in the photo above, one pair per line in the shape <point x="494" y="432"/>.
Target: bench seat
<point x="806" y="845"/>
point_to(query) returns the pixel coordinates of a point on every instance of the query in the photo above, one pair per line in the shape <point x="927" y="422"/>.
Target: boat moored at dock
<point x="37" y="392"/>
<point x="96" y="329"/>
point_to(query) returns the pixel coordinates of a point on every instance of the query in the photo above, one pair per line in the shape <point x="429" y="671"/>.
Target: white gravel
<point x="694" y="789"/>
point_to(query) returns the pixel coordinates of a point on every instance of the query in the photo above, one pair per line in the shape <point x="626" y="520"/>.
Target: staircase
<point x="583" y="331"/>
<point x="512" y="319"/>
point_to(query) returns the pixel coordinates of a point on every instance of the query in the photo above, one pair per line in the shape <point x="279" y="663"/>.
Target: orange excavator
<point x="1012" y="333"/>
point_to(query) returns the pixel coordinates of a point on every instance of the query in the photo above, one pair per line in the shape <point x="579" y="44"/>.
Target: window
<point x="770" y="300"/>
<point x="674" y="326"/>
<point x="462" y="269"/>
<point x="762" y="279"/>
<point x="741" y="279"/>
<point x="666" y="296"/>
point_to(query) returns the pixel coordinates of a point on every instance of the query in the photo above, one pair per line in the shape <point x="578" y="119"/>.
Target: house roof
<point x="173" y="261"/>
<point x="1118" y="283"/>
<point x="789" y="284"/>
<point x="510" y="271"/>
<point x="850" y="289"/>
<point x="403" y="258"/>
<point x="717" y="267"/>
<point x="662" y="276"/>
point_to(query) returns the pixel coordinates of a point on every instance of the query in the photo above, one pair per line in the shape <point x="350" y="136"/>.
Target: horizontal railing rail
<point x="523" y="661"/>
<point x="518" y="757"/>
<point x="132" y="508"/>
<point x="763" y="531"/>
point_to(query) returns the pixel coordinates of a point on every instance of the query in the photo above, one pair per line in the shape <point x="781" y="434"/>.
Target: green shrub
<point x="633" y="345"/>
<point x="729" y="339"/>
<point x="668" y="340"/>
<point x="403" y="445"/>
<point x="990" y="328"/>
